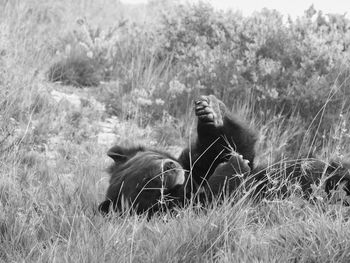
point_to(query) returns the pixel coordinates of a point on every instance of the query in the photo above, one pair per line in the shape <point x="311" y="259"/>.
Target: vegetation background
<point x="130" y="75"/>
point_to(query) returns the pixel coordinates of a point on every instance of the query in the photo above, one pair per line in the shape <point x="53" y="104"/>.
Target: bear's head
<point x="143" y="179"/>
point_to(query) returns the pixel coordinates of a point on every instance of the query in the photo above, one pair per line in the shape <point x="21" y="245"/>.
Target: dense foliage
<point x="295" y="65"/>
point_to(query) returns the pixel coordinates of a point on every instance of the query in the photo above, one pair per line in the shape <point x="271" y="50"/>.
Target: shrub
<point x="296" y="68"/>
<point x="76" y="70"/>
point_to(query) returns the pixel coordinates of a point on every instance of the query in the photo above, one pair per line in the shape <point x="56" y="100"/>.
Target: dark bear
<point x="220" y="161"/>
<point x="144" y="178"/>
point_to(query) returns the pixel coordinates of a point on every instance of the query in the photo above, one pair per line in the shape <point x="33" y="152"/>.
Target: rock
<point x="71" y="98"/>
<point x="107" y="135"/>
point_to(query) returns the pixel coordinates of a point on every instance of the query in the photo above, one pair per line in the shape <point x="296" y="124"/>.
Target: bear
<point x="219" y="161"/>
<point x="145" y="179"/>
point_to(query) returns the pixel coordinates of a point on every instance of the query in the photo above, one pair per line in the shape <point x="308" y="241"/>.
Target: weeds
<point x="52" y="168"/>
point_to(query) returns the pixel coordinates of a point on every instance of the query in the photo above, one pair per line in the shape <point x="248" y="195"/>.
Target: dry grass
<point x="49" y="191"/>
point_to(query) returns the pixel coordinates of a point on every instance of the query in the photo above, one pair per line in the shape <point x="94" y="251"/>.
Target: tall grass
<point x="49" y="192"/>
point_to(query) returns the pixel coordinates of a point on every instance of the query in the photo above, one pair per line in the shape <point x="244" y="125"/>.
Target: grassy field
<point x="53" y="161"/>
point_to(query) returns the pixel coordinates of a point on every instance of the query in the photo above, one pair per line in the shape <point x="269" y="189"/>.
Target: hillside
<point x="78" y="76"/>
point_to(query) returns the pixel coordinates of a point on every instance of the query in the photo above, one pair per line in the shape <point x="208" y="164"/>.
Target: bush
<point x="294" y="68"/>
<point x="76" y="70"/>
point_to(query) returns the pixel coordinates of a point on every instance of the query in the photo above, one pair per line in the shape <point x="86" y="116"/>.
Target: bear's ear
<point x="121" y="154"/>
<point x="103" y="208"/>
